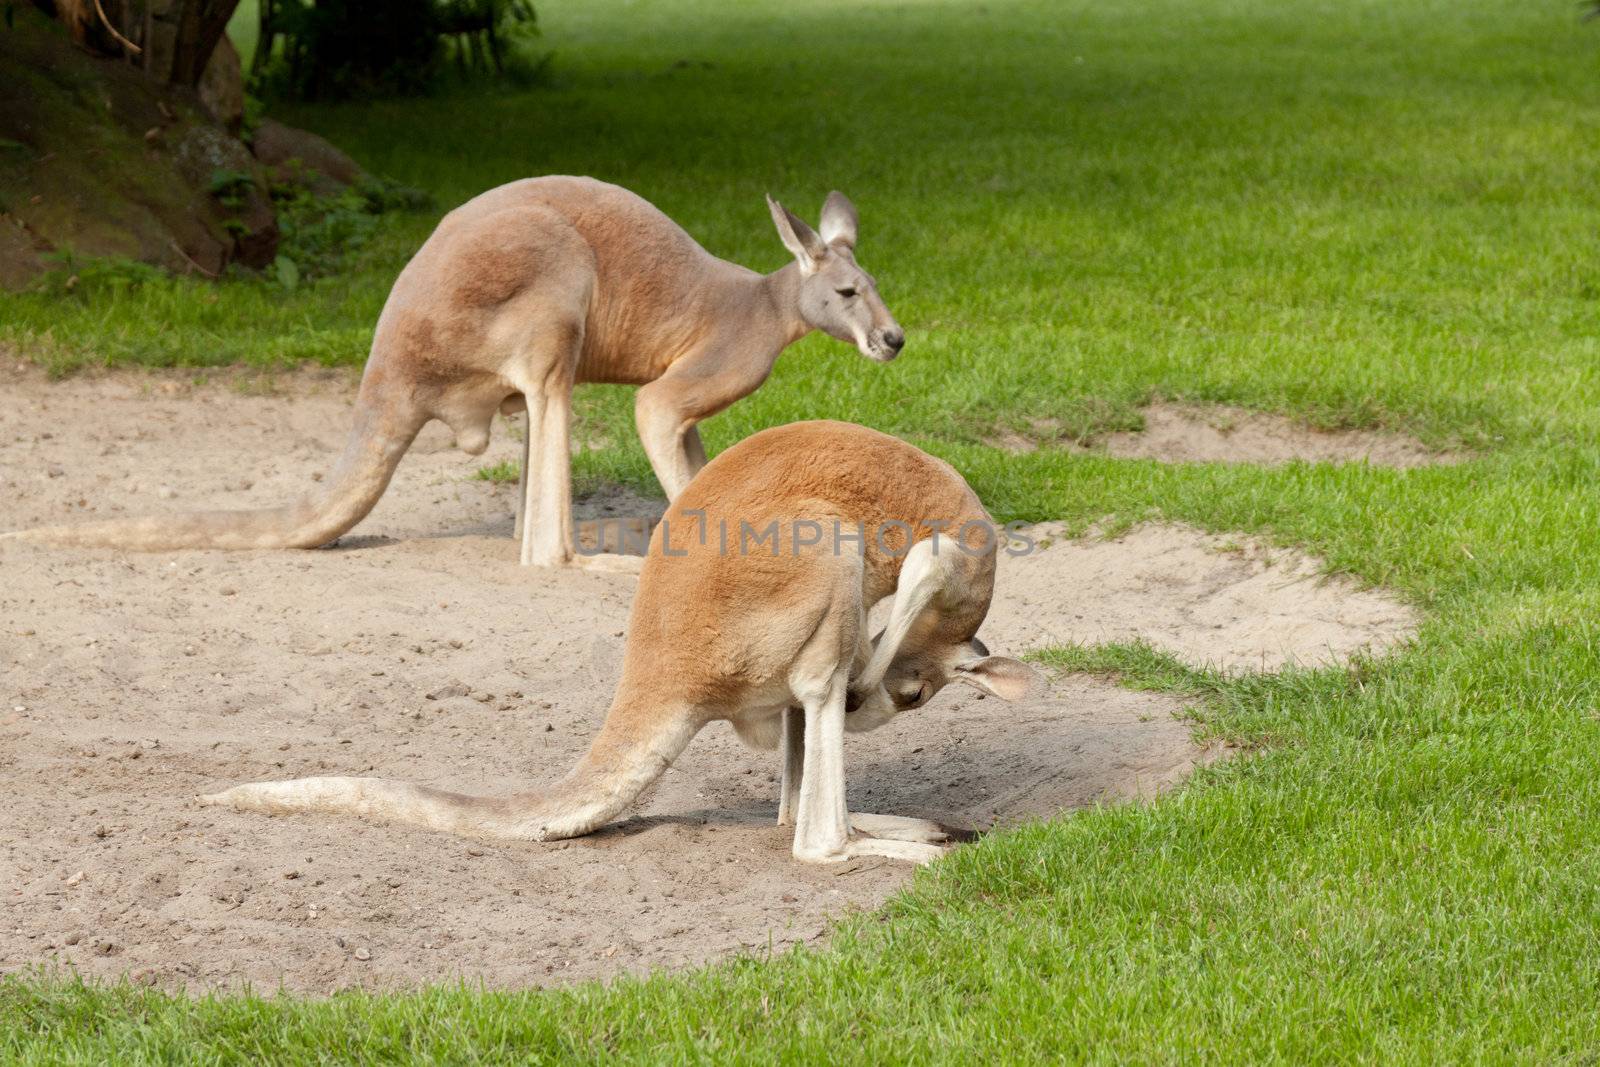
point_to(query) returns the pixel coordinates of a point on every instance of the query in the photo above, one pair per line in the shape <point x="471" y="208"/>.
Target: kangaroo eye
<point x="847" y="293"/>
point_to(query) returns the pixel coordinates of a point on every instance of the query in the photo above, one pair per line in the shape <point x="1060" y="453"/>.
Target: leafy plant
<point x="318" y="231"/>
<point x="286" y="272"/>
<point x="477" y="31"/>
<point x="87" y="277"/>
<point x="341" y="48"/>
<point x="385" y="194"/>
<point x="231" y="187"/>
<point x="333" y="49"/>
<point x="251" y="120"/>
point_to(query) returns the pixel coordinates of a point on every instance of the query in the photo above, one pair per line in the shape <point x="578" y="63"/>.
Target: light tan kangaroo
<point x="752" y="607"/>
<point x="519" y="294"/>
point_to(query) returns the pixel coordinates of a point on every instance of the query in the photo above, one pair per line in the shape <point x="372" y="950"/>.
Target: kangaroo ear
<point x="839" y="220"/>
<point x="1006" y="678"/>
<point x="801" y="240"/>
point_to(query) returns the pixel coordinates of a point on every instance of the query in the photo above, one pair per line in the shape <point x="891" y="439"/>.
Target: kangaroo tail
<point x="380" y="437"/>
<point x="621" y="763"/>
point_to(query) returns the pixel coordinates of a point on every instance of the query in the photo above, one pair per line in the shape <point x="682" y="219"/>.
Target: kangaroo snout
<point x="886" y="344"/>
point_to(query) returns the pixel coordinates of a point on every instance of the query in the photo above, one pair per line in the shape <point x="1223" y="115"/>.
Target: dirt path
<point x="419" y="649"/>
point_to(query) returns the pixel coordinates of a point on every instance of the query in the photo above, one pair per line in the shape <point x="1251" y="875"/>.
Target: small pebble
<point x="363" y="955"/>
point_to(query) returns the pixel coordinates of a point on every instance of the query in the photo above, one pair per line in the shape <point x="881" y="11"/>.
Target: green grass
<point x="506" y="472"/>
<point x="1361" y="214"/>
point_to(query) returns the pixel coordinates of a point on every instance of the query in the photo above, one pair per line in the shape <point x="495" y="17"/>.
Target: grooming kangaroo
<point x="519" y="294"/>
<point x="770" y="635"/>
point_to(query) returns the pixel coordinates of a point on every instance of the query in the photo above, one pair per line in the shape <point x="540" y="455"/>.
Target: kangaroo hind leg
<point x="522" y="484"/>
<point x="545" y="380"/>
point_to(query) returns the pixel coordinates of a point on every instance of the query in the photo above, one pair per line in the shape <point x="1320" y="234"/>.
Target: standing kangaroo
<point x="770" y="634"/>
<point x="519" y="294"/>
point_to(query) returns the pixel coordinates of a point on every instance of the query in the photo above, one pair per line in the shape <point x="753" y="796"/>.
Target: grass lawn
<point x="1360" y="214"/>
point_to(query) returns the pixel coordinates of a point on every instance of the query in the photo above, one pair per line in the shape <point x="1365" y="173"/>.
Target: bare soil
<point x="418" y="648"/>
<point x="1213" y="433"/>
<point x="1228" y="603"/>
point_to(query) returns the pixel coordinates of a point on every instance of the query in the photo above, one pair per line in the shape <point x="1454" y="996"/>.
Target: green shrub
<point x="334" y="49"/>
<point x="88" y="277"/>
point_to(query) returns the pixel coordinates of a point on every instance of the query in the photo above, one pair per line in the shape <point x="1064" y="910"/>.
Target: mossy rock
<point x="98" y="159"/>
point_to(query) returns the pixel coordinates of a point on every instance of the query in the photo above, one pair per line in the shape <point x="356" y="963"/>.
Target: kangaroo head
<point x="836" y="295"/>
<point x="919" y="671"/>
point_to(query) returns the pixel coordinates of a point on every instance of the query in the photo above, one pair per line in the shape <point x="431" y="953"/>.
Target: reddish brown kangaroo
<point x="771" y="636"/>
<point x="519" y="294"/>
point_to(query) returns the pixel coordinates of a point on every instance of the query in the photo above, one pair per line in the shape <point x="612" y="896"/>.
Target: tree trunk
<point x="171" y="40"/>
<point x="200" y="26"/>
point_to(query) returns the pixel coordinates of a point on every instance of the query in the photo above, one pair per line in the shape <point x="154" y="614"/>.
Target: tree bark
<point x="200" y="26"/>
<point x="174" y="38"/>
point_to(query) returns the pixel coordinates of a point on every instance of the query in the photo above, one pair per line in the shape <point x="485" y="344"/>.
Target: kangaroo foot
<point x="607" y="563"/>
<point x="898" y="828"/>
<point x="909" y="851"/>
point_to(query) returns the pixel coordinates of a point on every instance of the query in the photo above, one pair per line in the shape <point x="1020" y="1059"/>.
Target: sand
<point x="1216" y="433"/>
<point x="417" y="648"/>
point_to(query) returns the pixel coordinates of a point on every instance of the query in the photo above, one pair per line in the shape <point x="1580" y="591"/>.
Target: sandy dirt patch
<point x="419" y="649"/>
<point x="1192" y="433"/>
<point x="1224" y="602"/>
